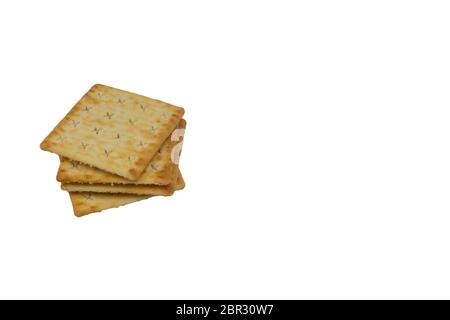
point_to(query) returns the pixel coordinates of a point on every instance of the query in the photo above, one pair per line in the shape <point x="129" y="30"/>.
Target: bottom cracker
<point x="84" y="203"/>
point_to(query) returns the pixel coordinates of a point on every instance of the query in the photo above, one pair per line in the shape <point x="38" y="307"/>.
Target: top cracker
<point x="114" y="130"/>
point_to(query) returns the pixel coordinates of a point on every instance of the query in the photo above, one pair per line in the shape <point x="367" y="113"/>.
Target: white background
<point x="316" y="157"/>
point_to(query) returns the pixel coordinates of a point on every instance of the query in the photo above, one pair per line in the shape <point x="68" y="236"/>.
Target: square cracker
<point x="146" y="189"/>
<point x="159" y="172"/>
<point x="114" y="130"/>
<point x="84" y="203"/>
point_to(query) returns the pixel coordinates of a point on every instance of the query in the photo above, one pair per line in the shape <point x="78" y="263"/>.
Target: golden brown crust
<point x="114" y="130"/>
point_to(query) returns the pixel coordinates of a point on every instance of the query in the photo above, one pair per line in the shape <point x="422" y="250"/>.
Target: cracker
<point x="84" y="203"/>
<point x="158" y="172"/>
<point x="114" y="130"/>
<point x="154" y="190"/>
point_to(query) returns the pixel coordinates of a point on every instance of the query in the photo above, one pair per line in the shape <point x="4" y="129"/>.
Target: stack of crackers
<point x="117" y="147"/>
